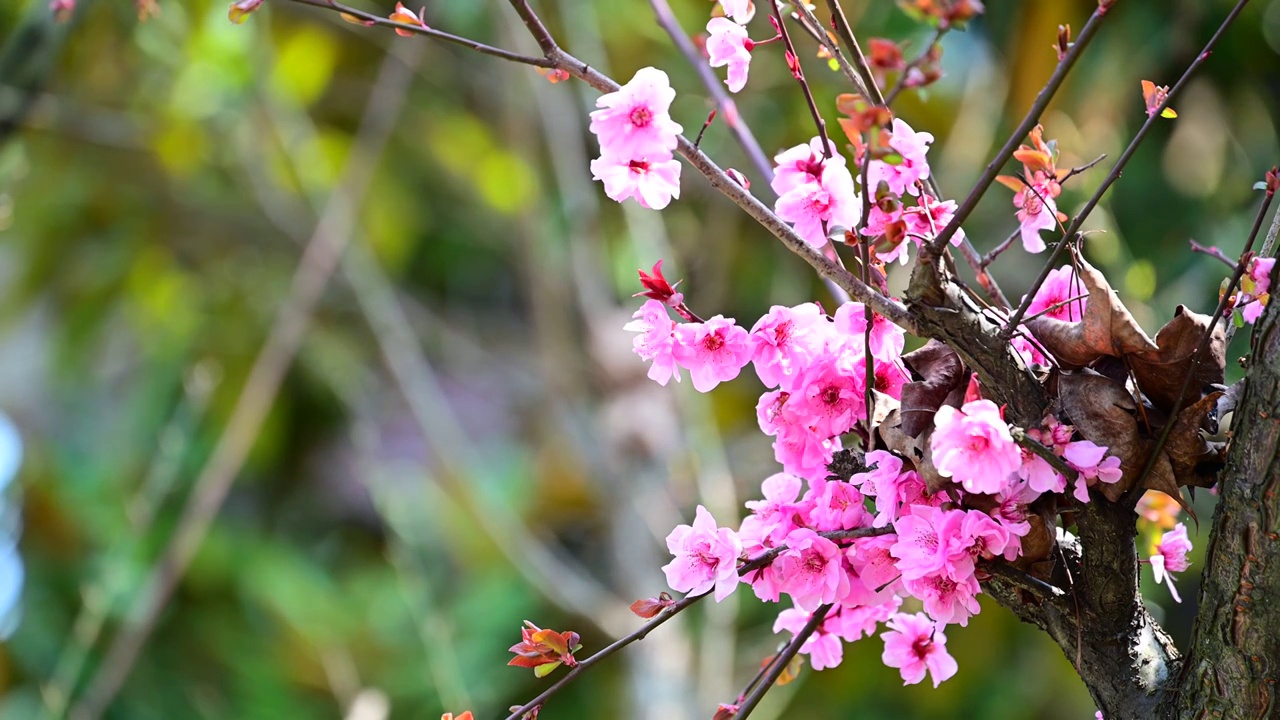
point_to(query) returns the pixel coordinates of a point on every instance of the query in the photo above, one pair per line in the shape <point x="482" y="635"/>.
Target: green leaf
<point x="545" y="670"/>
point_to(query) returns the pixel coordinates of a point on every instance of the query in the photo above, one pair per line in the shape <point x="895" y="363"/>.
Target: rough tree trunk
<point x="1233" y="663"/>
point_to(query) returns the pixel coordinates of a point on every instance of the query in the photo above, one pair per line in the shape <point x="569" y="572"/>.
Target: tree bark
<point x="1233" y="665"/>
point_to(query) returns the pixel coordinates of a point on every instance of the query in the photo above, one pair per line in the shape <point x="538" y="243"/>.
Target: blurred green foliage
<point x="152" y="207"/>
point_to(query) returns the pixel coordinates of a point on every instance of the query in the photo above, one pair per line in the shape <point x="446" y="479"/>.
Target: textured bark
<point x="1233" y="666"/>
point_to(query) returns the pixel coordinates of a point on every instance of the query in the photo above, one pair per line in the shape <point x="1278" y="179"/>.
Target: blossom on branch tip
<point x="915" y="646"/>
<point x="911" y="166"/>
<point x="656" y="341"/>
<point x="544" y="650"/>
<point x="1170" y="556"/>
<point x="973" y="446"/>
<point x="816" y="208"/>
<point x="1059" y="296"/>
<point x="706" y="557"/>
<point x="729" y="45"/>
<point x="403" y="16"/>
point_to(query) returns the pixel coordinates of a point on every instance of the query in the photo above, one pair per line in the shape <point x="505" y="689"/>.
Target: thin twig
<point x="1152" y="118"/>
<point x="869" y="88"/>
<point x="1022" y="579"/>
<point x="784" y="659"/>
<point x="371" y="19"/>
<point x="1213" y="252"/>
<point x="901" y="83"/>
<point x="1035" y="446"/>
<point x="728" y="108"/>
<point x="1020" y="133"/>
<point x="684" y="603"/>
<point x="798" y="73"/>
<point x="811" y="25"/>
<point x="1205" y="339"/>
<point x="1055" y="306"/>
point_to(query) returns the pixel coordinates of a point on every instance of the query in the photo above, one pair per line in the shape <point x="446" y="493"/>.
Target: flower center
<point x="639" y="166"/>
<point x="713" y="342"/>
<point x="641" y="116"/>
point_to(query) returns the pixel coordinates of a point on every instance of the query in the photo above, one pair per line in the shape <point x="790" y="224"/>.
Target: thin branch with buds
<point x="1198" y="354"/>
<point x="783" y="660"/>
<point x="681" y="605"/>
<point x="901" y="83"/>
<point x="728" y="108"/>
<point x="798" y="72"/>
<point x="1152" y="117"/>
<point x="1020" y="133"/>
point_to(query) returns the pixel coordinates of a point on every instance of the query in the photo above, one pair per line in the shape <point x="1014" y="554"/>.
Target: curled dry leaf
<point x="940" y="372"/>
<point x="1195" y="460"/>
<point x="1103" y="411"/>
<point x="1160" y="374"/>
<point x="913" y="449"/>
<point x="1108" y="328"/>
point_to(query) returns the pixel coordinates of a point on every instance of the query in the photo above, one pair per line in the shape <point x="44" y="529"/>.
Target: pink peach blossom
<point x="634" y="122"/>
<point x="973" y="446"/>
<point x="914" y="645"/>
<point x="655" y="341"/>
<point x="653" y="183"/>
<point x="729" y="45"/>
<point x="811" y="570"/>
<point x="713" y="352"/>
<point x="705" y="557"/>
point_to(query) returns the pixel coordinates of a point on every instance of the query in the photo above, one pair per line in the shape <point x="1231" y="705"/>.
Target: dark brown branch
<point x="783" y="660"/>
<point x="371" y="19"/>
<point x="845" y="32"/>
<point x="901" y="83"/>
<point x="1020" y="133"/>
<point x="798" y="73"/>
<point x="1198" y="354"/>
<point x="683" y="604"/>
<point x="1152" y="118"/>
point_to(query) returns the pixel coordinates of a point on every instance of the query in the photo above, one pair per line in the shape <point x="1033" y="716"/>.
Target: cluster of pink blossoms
<point x="901" y="209"/>
<point x="637" y="137"/>
<point x="929" y="547"/>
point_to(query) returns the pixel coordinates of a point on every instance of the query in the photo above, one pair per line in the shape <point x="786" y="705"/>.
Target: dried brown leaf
<point x="940" y="372"/>
<point x="914" y="449"/>
<point x="1160" y="374"/>
<point x="1103" y="411"/>
<point x="1194" y="459"/>
<point x="1108" y="328"/>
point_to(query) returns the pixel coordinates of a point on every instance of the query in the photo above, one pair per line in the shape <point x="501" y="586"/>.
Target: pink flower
<point x="1255" y="288"/>
<point x="833" y="396"/>
<point x="713" y="351"/>
<point x="655" y="341"/>
<point x="929" y="218"/>
<point x="816" y="208"/>
<point x="729" y="45"/>
<point x="740" y="10"/>
<point x="651" y="182"/>
<point x="980" y="537"/>
<point x="801" y="165"/>
<point x="779" y="512"/>
<point x="947" y="599"/>
<point x="706" y="557"/>
<point x="804" y="452"/>
<point x="902" y="177"/>
<point x="1088" y="460"/>
<point x="1059" y="286"/>
<point x="1039" y="474"/>
<point x="887" y="339"/>
<point x="914" y="646"/>
<point x="786" y="340"/>
<point x="1171" y="557"/>
<point x="634" y="122"/>
<point x="854" y="623"/>
<point x="877" y="568"/>
<point x="838" y="506"/>
<point x="973" y="446"/>
<point x="811" y="570"/>
<point x="1036" y="211"/>
<point x="925" y="540"/>
<point x="823" y="647"/>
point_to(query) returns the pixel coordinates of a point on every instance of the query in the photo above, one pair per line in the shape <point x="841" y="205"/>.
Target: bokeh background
<point x="465" y="441"/>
